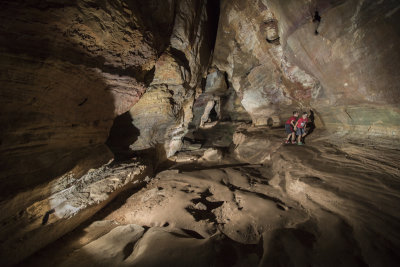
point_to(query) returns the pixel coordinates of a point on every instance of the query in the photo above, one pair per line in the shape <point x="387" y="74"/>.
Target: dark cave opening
<point x="122" y="134"/>
<point x="213" y="115"/>
<point x="213" y="9"/>
<point x="317" y="21"/>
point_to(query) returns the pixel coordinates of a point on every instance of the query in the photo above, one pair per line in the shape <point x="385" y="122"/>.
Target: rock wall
<point x="343" y="64"/>
<point x="165" y="111"/>
<point x="248" y="50"/>
<point x="354" y="56"/>
<point x="68" y="69"/>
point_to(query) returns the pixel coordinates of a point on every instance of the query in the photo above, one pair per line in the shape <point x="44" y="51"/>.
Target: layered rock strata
<point x="342" y="63"/>
<point x="165" y="111"/>
<point x="68" y="69"/>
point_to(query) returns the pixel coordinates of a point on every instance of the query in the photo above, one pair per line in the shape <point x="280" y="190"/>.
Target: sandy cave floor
<point x="323" y="204"/>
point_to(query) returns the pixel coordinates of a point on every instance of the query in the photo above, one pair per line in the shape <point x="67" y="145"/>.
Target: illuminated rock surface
<point x="99" y="98"/>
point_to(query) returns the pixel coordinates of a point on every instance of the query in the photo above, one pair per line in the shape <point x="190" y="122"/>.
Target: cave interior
<point x="155" y="133"/>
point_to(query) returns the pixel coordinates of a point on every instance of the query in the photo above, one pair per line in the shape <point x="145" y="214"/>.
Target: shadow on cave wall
<point x="54" y="113"/>
<point x="58" y="108"/>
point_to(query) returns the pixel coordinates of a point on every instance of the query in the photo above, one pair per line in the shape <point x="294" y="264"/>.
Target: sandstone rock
<point x="94" y="231"/>
<point x="289" y="211"/>
<point x="190" y="146"/>
<point x="72" y="79"/>
<point x="212" y="155"/>
<point x="178" y="73"/>
<point x="67" y="70"/>
<point x="109" y="250"/>
<point x="232" y="108"/>
<point x="199" y="107"/>
<point x="151" y="119"/>
<point x="215" y="83"/>
<point x="252" y="63"/>
<point x="169" y="71"/>
<point x="276" y="63"/>
<point x="200" y="206"/>
<point x="255" y="145"/>
<point x="183" y="157"/>
<point x="352" y="58"/>
<point x="156" y="239"/>
<point x="71" y="201"/>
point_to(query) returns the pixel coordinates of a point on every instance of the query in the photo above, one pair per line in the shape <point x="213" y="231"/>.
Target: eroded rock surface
<point x="346" y="73"/>
<point x="326" y="203"/>
<point x="70" y="201"/>
<point x="87" y="81"/>
<point x="255" y="145"/>
<point x="68" y="70"/>
<point x="65" y="78"/>
<point x="165" y="111"/>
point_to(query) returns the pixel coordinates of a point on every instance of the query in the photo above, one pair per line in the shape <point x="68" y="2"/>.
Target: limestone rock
<point x="156" y="239"/>
<point x="169" y="71"/>
<point x="354" y="65"/>
<point x="251" y="63"/>
<point x="200" y="206"/>
<point x="190" y="146"/>
<point x="69" y="70"/>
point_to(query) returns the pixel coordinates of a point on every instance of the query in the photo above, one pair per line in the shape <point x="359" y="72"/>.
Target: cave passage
<point x="152" y="133"/>
<point x="317" y="21"/>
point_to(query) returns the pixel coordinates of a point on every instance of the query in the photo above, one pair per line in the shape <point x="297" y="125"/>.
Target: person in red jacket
<point x="289" y="127"/>
<point x="300" y="127"/>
